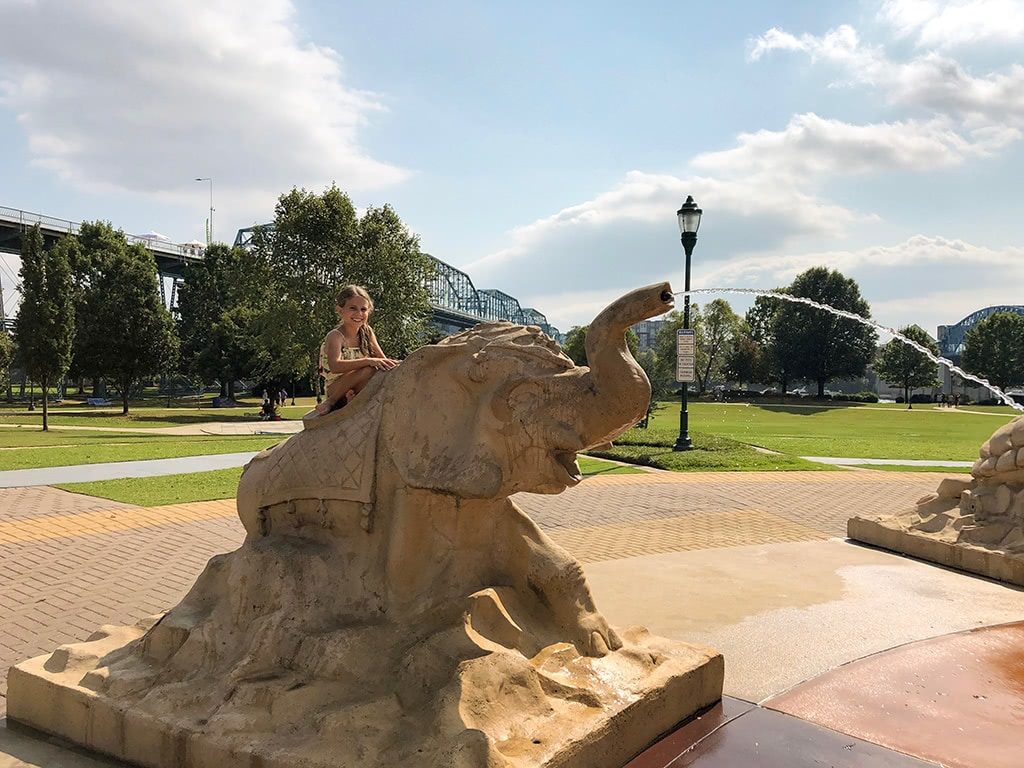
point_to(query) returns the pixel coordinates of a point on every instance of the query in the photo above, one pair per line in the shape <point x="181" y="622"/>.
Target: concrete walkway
<point x="845" y="462"/>
<point x="84" y="473"/>
<point x="115" y="470"/>
<point x="747" y="562"/>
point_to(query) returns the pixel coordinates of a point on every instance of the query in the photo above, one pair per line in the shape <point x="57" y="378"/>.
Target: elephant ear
<point x="439" y="425"/>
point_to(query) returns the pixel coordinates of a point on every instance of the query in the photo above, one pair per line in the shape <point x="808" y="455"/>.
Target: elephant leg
<point x="557" y="580"/>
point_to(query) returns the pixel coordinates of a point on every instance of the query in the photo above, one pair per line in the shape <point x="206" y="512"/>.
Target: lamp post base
<point x="683" y="443"/>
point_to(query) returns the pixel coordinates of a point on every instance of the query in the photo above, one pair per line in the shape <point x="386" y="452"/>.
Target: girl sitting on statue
<point x="350" y="355"/>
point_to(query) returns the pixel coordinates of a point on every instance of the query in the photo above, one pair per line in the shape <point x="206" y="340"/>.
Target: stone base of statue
<point x="476" y="692"/>
<point x="391" y="605"/>
<point x="973" y="524"/>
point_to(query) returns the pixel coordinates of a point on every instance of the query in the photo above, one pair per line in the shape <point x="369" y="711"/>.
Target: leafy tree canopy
<point x="316" y="246"/>
<point x="46" y="318"/>
<point x="994" y="349"/>
<point x="813" y="344"/>
<point x="902" y="366"/>
<point x="131" y="333"/>
<point x="576" y="344"/>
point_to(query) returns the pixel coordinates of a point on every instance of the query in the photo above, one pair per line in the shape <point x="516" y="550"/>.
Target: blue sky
<point x="545" y="149"/>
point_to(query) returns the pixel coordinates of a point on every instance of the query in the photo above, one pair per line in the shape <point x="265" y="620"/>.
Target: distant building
<point x="646" y="331"/>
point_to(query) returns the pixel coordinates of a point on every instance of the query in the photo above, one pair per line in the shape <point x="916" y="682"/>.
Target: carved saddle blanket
<point x="332" y="458"/>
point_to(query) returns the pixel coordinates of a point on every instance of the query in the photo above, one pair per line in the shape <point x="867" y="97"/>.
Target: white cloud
<point x="642" y="206"/>
<point x="917" y="251"/>
<point x="841" y="44"/>
<point x="811" y="146"/>
<point x="930" y="81"/>
<point x="142" y="97"/>
<point x="951" y="24"/>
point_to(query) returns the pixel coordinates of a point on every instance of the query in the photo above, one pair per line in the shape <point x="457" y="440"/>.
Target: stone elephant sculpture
<point x="390" y="604"/>
<point x="426" y="458"/>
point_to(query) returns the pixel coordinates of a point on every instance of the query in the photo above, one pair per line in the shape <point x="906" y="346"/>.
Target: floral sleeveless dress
<point x="347" y="353"/>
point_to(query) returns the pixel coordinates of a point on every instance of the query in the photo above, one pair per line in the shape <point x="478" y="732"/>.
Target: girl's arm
<point x="376" y="351"/>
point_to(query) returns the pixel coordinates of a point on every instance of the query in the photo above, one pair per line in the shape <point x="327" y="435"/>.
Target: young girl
<point x="350" y="354"/>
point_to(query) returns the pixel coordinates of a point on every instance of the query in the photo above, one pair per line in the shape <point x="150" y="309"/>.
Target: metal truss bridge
<point x="455" y="302"/>
<point x="951" y="337"/>
<point x="171" y="258"/>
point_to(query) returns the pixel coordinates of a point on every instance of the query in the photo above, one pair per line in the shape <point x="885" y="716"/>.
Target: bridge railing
<point x="53" y="224"/>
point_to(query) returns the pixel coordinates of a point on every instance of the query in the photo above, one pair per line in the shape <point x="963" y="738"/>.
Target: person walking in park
<point x="350" y="355"/>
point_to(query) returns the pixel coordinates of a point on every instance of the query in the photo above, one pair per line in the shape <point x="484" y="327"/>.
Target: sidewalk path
<point x="842" y="462"/>
<point x="114" y="470"/>
<point x="747" y="562"/>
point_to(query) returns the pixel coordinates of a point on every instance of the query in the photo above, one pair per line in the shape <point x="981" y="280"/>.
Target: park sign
<point x="686" y="355"/>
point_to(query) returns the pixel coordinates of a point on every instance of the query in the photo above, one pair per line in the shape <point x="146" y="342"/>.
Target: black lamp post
<point x="689" y="221"/>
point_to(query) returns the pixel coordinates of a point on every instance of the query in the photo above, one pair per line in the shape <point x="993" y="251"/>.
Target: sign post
<point x="686" y="355"/>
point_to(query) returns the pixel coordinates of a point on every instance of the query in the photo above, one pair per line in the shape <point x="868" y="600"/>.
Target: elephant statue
<point x="390" y="603"/>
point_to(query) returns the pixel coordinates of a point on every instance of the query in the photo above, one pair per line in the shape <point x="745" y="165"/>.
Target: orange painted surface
<point x="956" y="699"/>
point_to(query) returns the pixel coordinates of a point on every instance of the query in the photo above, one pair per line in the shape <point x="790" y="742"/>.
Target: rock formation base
<point x="499" y="708"/>
<point x="971" y="525"/>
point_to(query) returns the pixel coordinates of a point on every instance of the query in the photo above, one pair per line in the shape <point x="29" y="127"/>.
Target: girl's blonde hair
<point x="349" y="292"/>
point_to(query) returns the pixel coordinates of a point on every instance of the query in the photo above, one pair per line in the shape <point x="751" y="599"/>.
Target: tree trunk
<point x="906" y="394"/>
<point x="21" y="394"/>
<point x="293" y="391"/>
<point x="125" y="392"/>
<point x="821" y="387"/>
<point x="43" y="382"/>
<point x="231" y="388"/>
<point x="81" y="384"/>
<point x="223" y="388"/>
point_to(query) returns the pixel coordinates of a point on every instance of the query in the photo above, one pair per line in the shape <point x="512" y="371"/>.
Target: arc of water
<point x="871" y="324"/>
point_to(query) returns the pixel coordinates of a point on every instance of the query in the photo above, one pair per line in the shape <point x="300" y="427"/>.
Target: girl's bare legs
<point x="348" y="385"/>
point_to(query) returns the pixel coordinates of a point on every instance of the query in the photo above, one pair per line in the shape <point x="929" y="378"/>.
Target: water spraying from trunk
<point x="872" y="324"/>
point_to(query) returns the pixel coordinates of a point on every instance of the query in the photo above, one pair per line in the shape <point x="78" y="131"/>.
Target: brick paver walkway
<point x="70" y="563"/>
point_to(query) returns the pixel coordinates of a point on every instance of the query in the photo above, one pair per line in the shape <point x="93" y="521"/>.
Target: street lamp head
<point x="689" y="217"/>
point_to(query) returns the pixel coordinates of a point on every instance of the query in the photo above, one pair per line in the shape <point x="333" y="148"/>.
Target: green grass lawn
<point x="221" y="484"/>
<point x="710" y="453"/>
<point x="846" y="431"/>
<point x="166" y="489"/>
<point x="58" y="449"/>
<point x="141" y="418"/>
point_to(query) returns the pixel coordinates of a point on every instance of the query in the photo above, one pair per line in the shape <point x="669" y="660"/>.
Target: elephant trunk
<point x="615" y="393"/>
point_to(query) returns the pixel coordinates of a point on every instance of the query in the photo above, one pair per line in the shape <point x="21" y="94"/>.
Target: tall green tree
<point x="218" y="306"/>
<point x="575" y="346"/>
<point x="994" y="348"/>
<point x="817" y="345"/>
<point x="775" y="360"/>
<point x="745" y="362"/>
<point x="6" y="359"/>
<point x="96" y="244"/>
<point x="317" y="245"/>
<point x="129" y="331"/>
<point x="717" y="327"/>
<point x="46" y="318"/>
<point x="902" y="366"/>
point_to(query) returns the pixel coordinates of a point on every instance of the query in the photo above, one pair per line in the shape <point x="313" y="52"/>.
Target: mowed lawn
<point x="141" y="417"/>
<point x="856" y="431"/>
<point x="222" y="483"/>
<point x="27" y="449"/>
